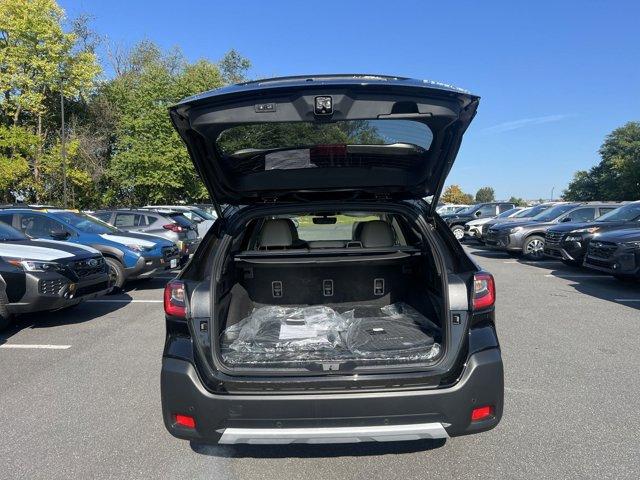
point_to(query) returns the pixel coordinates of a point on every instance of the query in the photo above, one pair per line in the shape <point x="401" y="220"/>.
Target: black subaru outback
<point x="329" y="302"/>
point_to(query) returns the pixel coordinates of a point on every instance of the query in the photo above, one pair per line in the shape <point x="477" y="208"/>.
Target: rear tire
<point x="458" y="232"/>
<point x="116" y="274"/>
<point x="5" y="316"/>
<point x="533" y="248"/>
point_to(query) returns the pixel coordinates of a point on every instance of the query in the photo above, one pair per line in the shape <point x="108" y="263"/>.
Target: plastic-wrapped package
<point x="280" y="333"/>
<point x="399" y="331"/>
<point x="275" y="335"/>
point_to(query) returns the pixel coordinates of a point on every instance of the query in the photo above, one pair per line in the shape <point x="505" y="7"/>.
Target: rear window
<point x="292" y="145"/>
<point x="342" y="229"/>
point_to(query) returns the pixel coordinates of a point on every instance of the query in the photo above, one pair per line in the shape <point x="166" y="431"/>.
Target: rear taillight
<point x="484" y="291"/>
<point x="174" y="227"/>
<point x="174" y="296"/>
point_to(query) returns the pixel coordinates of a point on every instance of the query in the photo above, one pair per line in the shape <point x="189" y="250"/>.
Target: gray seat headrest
<point x="278" y="233"/>
<point x="376" y="234"/>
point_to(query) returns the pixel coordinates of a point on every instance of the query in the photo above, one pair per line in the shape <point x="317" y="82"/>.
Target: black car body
<point x="528" y="237"/>
<point x="457" y="221"/>
<point x="327" y="170"/>
<point x="40" y="275"/>
<point x="569" y="241"/>
<point x="616" y="252"/>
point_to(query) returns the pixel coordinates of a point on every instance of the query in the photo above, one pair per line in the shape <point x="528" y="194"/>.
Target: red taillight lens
<point x="174" y="304"/>
<point x="484" y="291"/>
<point x="184" y="420"/>
<point x="481" y="413"/>
<point x="174" y="227"/>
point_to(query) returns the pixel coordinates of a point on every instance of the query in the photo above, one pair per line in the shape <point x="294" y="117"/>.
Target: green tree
<point x="454" y="194"/>
<point x="149" y="163"/>
<point x="517" y="201"/>
<point x="485" y="194"/>
<point x="617" y="175"/>
<point x="38" y="61"/>
<point x="233" y="67"/>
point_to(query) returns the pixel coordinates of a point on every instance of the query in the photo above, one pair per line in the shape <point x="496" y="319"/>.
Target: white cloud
<point x="522" y="123"/>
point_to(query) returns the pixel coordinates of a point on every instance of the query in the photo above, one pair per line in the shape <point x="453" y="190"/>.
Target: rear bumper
<point x="333" y="418"/>
<point x="147" y="267"/>
<point x="52" y="291"/>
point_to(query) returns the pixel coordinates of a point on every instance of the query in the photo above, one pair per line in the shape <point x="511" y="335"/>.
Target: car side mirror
<point x="59" y="234"/>
<point x="478" y="213"/>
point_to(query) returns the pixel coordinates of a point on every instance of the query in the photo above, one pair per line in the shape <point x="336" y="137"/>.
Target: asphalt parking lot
<point x="80" y="394"/>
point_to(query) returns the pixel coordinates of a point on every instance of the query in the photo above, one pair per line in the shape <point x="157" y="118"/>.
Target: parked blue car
<point x="128" y="255"/>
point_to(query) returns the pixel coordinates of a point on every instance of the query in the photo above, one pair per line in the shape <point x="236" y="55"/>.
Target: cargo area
<point x="371" y="300"/>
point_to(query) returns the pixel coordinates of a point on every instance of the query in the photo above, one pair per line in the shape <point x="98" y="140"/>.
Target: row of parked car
<point x="54" y="258"/>
<point x="603" y="236"/>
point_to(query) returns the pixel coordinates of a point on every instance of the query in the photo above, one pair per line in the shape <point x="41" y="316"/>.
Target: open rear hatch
<point x="324" y="137"/>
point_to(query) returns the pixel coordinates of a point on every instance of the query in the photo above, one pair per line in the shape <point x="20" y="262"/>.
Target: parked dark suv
<point x="456" y="221"/>
<point x="616" y="252"/>
<point x="328" y="302"/>
<point x="528" y="236"/>
<point x="569" y="241"/>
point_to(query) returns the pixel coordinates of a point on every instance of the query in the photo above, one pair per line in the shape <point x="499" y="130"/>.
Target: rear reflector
<point x="484" y="291"/>
<point x="481" y="413"/>
<point x="174" y="304"/>
<point x="184" y="420"/>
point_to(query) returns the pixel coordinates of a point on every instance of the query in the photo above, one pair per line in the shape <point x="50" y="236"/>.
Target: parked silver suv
<point x="168" y="224"/>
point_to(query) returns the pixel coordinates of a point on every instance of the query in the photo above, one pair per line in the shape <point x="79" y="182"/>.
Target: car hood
<point x="142" y="239"/>
<point x="45" y="250"/>
<point x="619" y="236"/>
<point x="511" y="223"/>
<point x="480" y="221"/>
<point x="322" y="171"/>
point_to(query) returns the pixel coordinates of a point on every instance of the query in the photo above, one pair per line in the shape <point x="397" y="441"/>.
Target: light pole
<point x="63" y="150"/>
<point x="552" y="189"/>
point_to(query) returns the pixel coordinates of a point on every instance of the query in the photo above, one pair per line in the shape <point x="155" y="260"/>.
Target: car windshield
<point x="627" y="213"/>
<point x="509" y="212"/>
<point x="523" y="213"/>
<point x="10" y="234"/>
<point x="86" y="223"/>
<point x="537" y="210"/>
<point x="553" y="212"/>
<point x="467" y="210"/>
<point x="203" y="214"/>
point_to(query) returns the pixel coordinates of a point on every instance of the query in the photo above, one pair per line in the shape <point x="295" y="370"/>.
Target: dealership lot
<point x="80" y="393"/>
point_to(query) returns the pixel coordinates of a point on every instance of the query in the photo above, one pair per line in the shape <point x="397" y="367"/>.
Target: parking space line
<point x="42" y="347"/>
<point x="116" y="300"/>
<point x="576" y="276"/>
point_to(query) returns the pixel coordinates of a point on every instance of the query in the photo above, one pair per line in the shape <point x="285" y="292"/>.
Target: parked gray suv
<point x="528" y="236"/>
<point x="168" y="224"/>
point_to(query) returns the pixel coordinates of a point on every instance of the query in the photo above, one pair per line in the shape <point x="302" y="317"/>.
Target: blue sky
<point x="554" y="76"/>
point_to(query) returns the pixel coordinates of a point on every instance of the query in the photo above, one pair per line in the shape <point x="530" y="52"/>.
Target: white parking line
<point x="576" y="276"/>
<point x="44" y="347"/>
<point x="531" y="262"/>
<point x="123" y="301"/>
